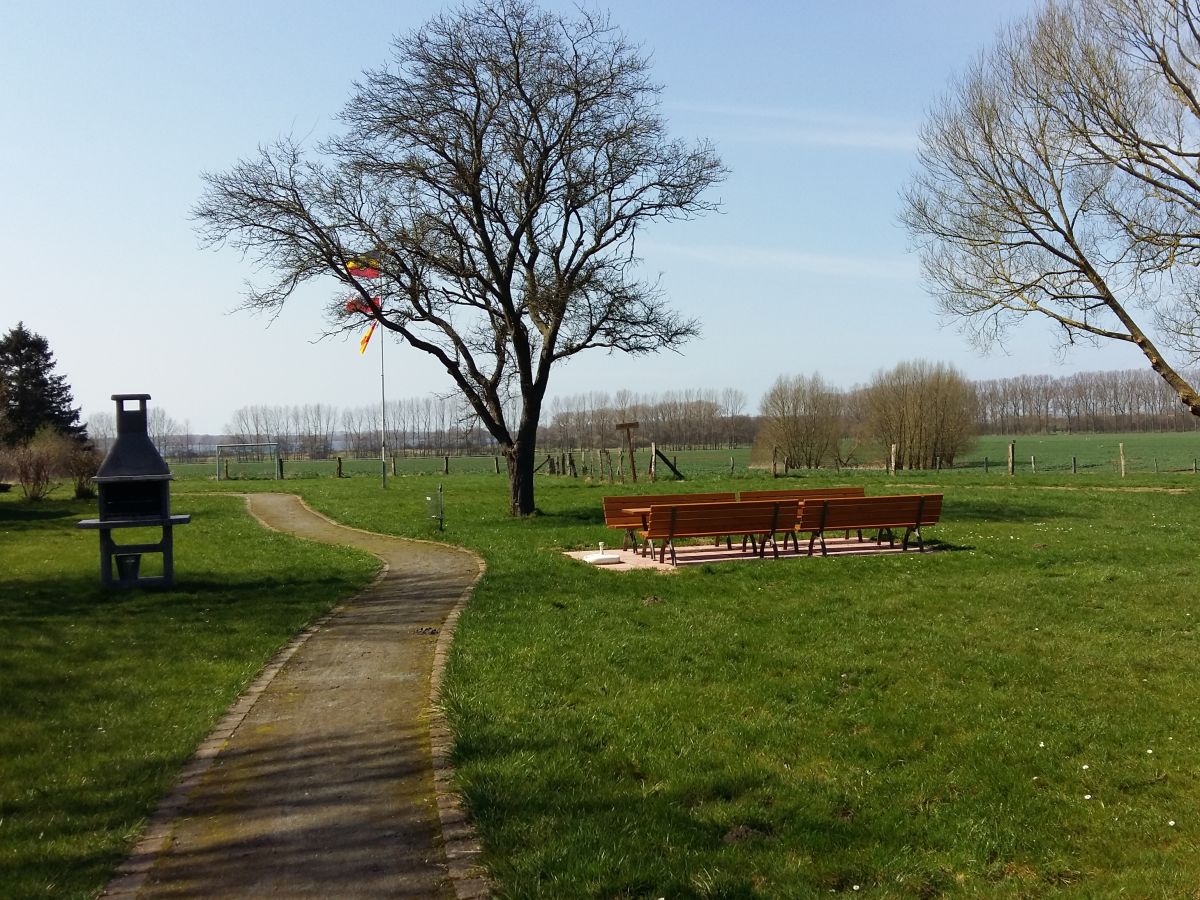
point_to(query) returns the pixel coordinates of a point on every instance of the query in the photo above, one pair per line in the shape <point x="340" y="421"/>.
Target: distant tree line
<point x="415" y="426"/>
<point x="1122" y="400"/>
<point x="930" y="411"/>
<point x="691" y="419"/>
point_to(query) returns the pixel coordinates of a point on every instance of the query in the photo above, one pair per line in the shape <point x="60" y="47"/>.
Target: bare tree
<point x="1058" y="179"/>
<point x="495" y="175"/>
<point x="927" y="410"/>
<point x="802" y="417"/>
<point x="102" y="429"/>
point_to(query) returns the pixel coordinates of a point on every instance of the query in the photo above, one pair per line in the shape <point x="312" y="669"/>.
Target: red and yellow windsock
<point x="366" y="339"/>
<point x="363" y="267"/>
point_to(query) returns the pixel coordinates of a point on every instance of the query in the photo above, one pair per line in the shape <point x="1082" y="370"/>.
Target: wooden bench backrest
<point x="727" y="518"/>
<point x="804" y="493"/>
<point x="615" y="518"/>
<point x="896" y="511"/>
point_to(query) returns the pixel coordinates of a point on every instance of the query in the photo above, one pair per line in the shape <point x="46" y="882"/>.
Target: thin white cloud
<point x="896" y="269"/>
<point x="813" y="128"/>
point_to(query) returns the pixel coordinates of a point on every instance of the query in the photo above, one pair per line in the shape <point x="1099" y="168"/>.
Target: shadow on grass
<point x="78" y="594"/>
<point x="978" y="510"/>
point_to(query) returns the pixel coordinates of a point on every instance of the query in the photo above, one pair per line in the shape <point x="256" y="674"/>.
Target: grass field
<point x="1173" y="452"/>
<point x="913" y="725"/>
<point x="1012" y="716"/>
<point x="106" y="693"/>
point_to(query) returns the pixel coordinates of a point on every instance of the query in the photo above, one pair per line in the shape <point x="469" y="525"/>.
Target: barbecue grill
<point x="134" y="487"/>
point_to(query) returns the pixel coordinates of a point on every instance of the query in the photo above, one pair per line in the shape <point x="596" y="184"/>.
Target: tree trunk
<point x="519" y="458"/>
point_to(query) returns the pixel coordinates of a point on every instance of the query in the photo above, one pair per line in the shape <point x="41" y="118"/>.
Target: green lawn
<point x="913" y="725"/>
<point x="969" y="722"/>
<point x="106" y="693"/>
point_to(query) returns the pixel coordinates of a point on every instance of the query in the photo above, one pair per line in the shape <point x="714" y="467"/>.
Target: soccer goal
<point x="248" y="460"/>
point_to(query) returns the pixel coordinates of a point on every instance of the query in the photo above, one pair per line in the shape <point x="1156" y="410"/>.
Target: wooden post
<point x="1012" y="457"/>
<point x="445" y="465"/>
<point x="985" y="465"/>
<point x="1121" y="448"/>
<point x="571" y="465"/>
<point x="1033" y="463"/>
<point x="731" y="465"/>
<point x="339" y="467"/>
<point x="1074" y="466"/>
<point x="653" y="467"/>
<point x="774" y="462"/>
<point x="621" y="465"/>
<point x="496" y="460"/>
<point x="393" y="465"/>
<point x="892" y="460"/>
<point x="1156" y="465"/>
<point x="628" y="427"/>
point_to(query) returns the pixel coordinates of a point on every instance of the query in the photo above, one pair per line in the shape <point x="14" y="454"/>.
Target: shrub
<point x="37" y="463"/>
<point x="81" y="464"/>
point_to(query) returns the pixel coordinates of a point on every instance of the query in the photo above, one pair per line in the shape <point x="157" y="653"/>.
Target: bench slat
<point x="667" y="522"/>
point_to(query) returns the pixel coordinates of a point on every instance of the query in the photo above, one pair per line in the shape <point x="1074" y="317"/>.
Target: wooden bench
<point x="907" y="511"/>
<point x="804" y="493"/>
<point x="756" y="521"/>
<point x="615" y="515"/>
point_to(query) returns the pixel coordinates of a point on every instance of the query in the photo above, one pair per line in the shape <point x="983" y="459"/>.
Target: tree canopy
<point x="482" y="205"/>
<point x="1058" y="178"/>
<point x="32" y="397"/>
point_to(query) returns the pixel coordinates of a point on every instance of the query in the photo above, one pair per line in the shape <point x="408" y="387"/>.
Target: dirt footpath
<point x="325" y="786"/>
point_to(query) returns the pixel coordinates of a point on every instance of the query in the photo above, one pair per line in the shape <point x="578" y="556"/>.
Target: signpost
<point x="628" y="427"/>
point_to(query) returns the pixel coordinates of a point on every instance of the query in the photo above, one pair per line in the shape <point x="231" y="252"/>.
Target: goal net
<point x="248" y="460"/>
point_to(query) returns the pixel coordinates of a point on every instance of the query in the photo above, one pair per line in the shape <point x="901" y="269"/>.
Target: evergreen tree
<point x="31" y="395"/>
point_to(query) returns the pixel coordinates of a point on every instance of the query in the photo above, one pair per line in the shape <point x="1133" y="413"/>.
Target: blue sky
<point x="112" y="111"/>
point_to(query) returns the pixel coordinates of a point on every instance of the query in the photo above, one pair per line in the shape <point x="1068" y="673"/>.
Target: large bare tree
<point x="1059" y="178"/>
<point x="495" y="175"/>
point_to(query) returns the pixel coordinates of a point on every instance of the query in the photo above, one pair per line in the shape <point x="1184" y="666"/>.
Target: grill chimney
<point x="133" y="455"/>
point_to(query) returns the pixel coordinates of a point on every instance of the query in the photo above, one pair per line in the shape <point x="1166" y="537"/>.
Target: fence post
<point x="1074" y="466"/>
<point x="1012" y="457"/>
<point x="1121" y="447"/>
<point x="339" y="467"/>
<point x="774" y="462"/>
<point x="496" y="460"/>
<point x="1156" y="465"/>
<point x="731" y="465"/>
<point x="571" y="465"/>
<point x="653" y="467"/>
<point x="393" y="465"/>
<point x="1033" y="463"/>
<point x="985" y="465"/>
<point x="445" y="465"/>
<point x="892" y="461"/>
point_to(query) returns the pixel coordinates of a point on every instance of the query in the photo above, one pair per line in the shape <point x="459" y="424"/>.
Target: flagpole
<point x="383" y="414"/>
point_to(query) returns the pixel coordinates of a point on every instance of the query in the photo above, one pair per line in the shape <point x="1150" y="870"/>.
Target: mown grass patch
<point x="106" y="693"/>
<point x="914" y="725"/>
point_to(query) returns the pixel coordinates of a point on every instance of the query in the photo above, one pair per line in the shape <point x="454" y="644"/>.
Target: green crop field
<point x="1010" y="715"/>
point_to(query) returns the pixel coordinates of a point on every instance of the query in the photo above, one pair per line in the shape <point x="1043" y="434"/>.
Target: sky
<point x="112" y="111"/>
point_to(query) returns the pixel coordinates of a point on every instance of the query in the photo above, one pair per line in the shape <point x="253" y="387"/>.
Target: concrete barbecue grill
<point x="134" y="487"/>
